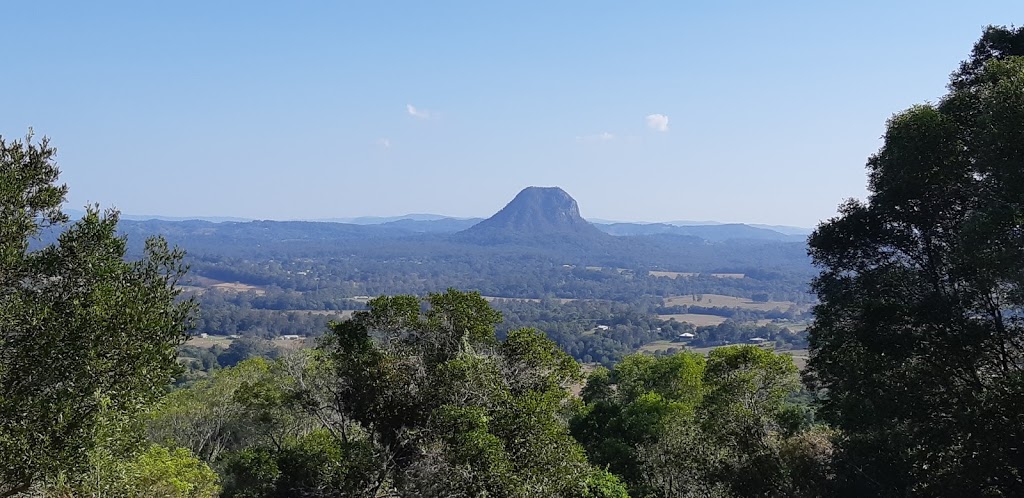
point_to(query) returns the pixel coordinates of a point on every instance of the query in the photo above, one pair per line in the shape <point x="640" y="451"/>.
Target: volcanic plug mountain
<point x="536" y="211"/>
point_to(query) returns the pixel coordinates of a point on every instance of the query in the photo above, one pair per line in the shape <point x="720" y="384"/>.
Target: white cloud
<point x="657" y="122"/>
<point x="383" y="143"/>
<point x="418" y="113"/>
<point x="604" y="136"/>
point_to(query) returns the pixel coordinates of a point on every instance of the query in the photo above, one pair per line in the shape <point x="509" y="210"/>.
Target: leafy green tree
<point x="918" y="339"/>
<point x="746" y="411"/>
<point x="252" y="422"/>
<point x="681" y="425"/>
<point x="452" y="411"/>
<point x="633" y="406"/>
<point x="997" y="42"/>
<point x="156" y="471"/>
<point x="82" y="331"/>
<point x="253" y="403"/>
<point x="244" y="348"/>
<point x="314" y="464"/>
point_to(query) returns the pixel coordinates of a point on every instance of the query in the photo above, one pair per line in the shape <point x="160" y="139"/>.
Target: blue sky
<point x="760" y="112"/>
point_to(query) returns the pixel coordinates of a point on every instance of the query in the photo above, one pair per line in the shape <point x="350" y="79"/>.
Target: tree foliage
<point x="155" y="471"/>
<point x="681" y="425"/>
<point x="452" y="411"/>
<point x="918" y="338"/>
<point x="82" y="331"/>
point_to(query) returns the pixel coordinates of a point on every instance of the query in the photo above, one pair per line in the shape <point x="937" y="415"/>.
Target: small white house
<point x="290" y="337"/>
<point x="757" y="340"/>
<point x="602" y="327"/>
<point x="687" y="336"/>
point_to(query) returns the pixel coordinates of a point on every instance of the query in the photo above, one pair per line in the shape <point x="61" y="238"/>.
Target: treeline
<point x="256" y="323"/>
<point x="590" y="331"/>
<point x="791" y="312"/>
<point x="276" y="298"/>
<point x="511" y="275"/>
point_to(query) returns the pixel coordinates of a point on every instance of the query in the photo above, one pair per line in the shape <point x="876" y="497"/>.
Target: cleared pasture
<point x="210" y="341"/>
<point x="800" y="357"/>
<point x="198" y="284"/>
<point x="654" y="347"/>
<point x="238" y="287"/>
<point x="722" y="301"/>
<point x="225" y="341"/>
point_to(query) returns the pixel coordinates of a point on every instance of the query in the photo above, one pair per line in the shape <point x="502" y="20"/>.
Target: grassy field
<point x="225" y="341"/>
<point x="800" y="357"/>
<point x="719" y="300"/>
<point x="654" y="347"/>
<point x="294" y="344"/>
<point x="198" y="284"/>
<point x="697" y="320"/>
<point x="237" y="287"/>
<point x="210" y="341"/>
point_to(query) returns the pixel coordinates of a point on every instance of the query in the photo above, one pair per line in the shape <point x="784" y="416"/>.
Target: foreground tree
<point x="918" y="341"/>
<point x="448" y="410"/>
<point x="683" y="426"/>
<point x="85" y="337"/>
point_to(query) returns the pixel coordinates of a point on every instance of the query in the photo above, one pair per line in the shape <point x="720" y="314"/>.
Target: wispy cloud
<point x="384" y="143"/>
<point x="657" y="122"/>
<point x="604" y="136"/>
<point x="418" y="113"/>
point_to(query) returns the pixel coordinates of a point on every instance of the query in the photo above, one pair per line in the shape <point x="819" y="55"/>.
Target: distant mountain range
<point x="715" y="233"/>
<point x="540" y="226"/>
<point x="380" y="220"/>
<point x="537" y="211"/>
<point x="78" y="213"/>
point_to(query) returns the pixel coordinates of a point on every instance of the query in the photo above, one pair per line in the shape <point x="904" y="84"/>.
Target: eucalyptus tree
<point x="918" y="343"/>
